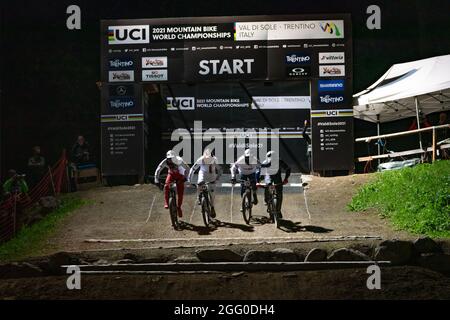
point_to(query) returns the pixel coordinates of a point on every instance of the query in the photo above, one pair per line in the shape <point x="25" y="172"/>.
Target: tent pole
<point x="418" y="121"/>
<point x="378" y="133"/>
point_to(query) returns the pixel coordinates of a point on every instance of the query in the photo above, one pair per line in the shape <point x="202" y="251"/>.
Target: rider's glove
<point x="285" y="181"/>
<point x="233" y="181"/>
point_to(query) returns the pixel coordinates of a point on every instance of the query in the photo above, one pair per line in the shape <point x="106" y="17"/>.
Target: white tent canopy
<point x="405" y="89"/>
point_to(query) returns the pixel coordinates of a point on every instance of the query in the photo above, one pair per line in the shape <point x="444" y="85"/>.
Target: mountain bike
<point x="172" y="203"/>
<point x="205" y="202"/>
<point x="247" y="203"/>
<point x="272" y="201"/>
<point x="173" y="206"/>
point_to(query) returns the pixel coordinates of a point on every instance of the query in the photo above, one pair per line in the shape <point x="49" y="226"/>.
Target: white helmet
<point x="170" y="154"/>
<point x="270" y="154"/>
<point x="247" y="153"/>
<point x="207" y="153"/>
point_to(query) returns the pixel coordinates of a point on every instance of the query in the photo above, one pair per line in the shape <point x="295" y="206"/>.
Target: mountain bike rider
<point x="248" y="167"/>
<point x="209" y="172"/>
<point x="272" y="174"/>
<point x="177" y="172"/>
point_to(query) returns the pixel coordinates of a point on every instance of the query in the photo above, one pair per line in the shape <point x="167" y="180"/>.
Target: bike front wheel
<point x="247" y="207"/>
<point x="173" y="212"/>
<point x="206" y="211"/>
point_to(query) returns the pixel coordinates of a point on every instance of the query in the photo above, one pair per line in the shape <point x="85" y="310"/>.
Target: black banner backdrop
<point x="235" y="72"/>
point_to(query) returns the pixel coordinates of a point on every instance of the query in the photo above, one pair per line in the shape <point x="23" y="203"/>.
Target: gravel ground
<point x="126" y="213"/>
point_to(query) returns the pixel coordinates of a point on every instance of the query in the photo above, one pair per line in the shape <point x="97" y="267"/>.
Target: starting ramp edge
<point x="225" y="267"/>
<point x="251" y="239"/>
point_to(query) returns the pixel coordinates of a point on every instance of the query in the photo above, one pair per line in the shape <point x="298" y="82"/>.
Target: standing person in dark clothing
<point x="443" y="134"/>
<point x="36" y="166"/>
<point x="308" y="144"/>
<point x="272" y="167"/>
<point x="81" y="151"/>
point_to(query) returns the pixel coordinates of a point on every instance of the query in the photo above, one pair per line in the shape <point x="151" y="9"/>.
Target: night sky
<point x="48" y="73"/>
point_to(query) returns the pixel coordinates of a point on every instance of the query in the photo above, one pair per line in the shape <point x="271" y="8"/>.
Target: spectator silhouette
<point x="36" y="166"/>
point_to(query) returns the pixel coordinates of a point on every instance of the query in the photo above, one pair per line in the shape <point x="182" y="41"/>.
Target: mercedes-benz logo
<point x="121" y="90"/>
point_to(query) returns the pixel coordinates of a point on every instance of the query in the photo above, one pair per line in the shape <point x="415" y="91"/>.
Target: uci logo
<point x="182" y="103"/>
<point x="128" y="34"/>
<point x="121" y="117"/>
<point x="332" y="113"/>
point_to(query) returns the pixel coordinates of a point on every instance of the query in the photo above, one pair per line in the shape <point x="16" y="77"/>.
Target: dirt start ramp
<point x="134" y="217"/>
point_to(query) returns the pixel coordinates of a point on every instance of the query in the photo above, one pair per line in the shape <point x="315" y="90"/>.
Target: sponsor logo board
<point x="298" y="72"/>
<point x="331" y="57"/>
<point x="122" y="103"/>
<point x="154" y="62"/>
<point x="154" y="75"/>
<point x="331" y="85"/>
<point x="332" y="71"/>
<point x="120" y="63"/>
<point x="331" y="98"/>
<point x="121" y="76"/>
<point x="297" y="58"/>
<point x="121" y="90"/>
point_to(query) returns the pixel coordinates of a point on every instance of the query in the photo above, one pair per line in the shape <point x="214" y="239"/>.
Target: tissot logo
<point x="234" y="66"/>
<point x="121" y="63"/>
<point x="128" y="34"/>
<point x="154" y="75"/>
<point x="297" y="58"/>
<point x="293" y="72"/>
<point x="182" y="103"/>
<point x="122" y="103"/>
<point x="331" y="99"/>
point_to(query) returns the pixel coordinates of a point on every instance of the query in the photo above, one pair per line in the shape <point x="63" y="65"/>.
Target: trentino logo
<point x="298" y="58"/>
<point x="331" y="28"/>
<point x="121" y="103"/>
<point x="331" y="99"/>
<point x="331" y="85"/>
<point x="128" y="34"/>
<point x="121" y="63"/>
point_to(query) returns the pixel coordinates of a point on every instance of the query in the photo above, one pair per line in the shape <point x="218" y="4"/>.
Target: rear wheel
<point x="206" y="211"/>
<point x="247" y="207"/>
<point x="173" y="210"/>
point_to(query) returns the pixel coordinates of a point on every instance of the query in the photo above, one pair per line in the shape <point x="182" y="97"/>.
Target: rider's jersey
<point x="209" y="168"/>
<point x="176" y="166"/>
<point x="243" y="168"/>
<point x="273" y="173"/>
